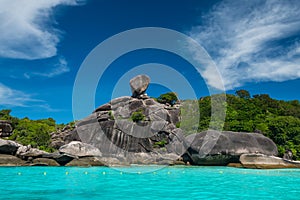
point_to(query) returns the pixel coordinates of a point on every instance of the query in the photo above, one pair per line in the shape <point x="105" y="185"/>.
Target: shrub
<point x="137" y="116"/>
<point x="170" y="98"/>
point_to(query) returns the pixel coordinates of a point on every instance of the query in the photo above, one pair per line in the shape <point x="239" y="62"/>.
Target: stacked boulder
<point x="135" y="129"/>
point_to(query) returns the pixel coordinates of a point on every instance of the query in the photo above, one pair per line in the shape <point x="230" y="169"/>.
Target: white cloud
<point x="252" y="40"/>
<point x="26" y="28"/>
<point x="14" y="98"/>
<point x="11" y="97"/>
<point x="60" y="68"/>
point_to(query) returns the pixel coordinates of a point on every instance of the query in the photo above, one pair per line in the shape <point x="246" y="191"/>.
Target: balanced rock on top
<point x="139" y="85"/>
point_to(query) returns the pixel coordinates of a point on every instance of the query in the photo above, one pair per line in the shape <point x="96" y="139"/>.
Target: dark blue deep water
<point x="148" y="183"/>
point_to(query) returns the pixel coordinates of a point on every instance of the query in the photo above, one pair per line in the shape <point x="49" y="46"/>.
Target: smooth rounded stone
<point x="139" y="85"/>
<point x="27" y="151"/>
<point x="261" y="161"/>
<point x="79" y="149"/>
<point x="86" y="162"/>
<point x="8" y="147"/>
<point x="221" y="148"/>
<point x="9" y="160"/>
<point x="44" y="162"/>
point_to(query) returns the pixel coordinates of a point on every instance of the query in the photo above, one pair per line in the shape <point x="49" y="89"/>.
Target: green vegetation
<point x="170" y="98"/>
<point x="111" y="116"/>
<point x="161" y="143"/>
<point x="276" y="119"/>
<point x="138" y="116"/>
<point x="32" y="132"/>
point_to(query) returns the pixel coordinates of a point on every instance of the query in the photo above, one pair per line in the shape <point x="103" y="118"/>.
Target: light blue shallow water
<point x="166" y="183"/>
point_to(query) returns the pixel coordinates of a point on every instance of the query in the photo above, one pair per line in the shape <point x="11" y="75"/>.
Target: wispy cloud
<point x="11" y="97"/>
<point x="254" y="40"/>
<point x="14" y="98"/>
<point x="26" y="28"/>
<point x="59" y="68"/>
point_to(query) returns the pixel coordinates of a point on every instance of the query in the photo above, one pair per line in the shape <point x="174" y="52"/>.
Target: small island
<point x="138" y="129"/>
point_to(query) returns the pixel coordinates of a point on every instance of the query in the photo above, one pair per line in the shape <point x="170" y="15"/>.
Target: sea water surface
<point x="153" y="182"/>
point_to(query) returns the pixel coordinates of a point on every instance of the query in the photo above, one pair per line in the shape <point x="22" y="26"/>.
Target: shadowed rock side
<point x="222" y="148"/>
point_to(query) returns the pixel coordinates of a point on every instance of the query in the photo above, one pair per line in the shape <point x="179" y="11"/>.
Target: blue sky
<point x="255" y="45"/>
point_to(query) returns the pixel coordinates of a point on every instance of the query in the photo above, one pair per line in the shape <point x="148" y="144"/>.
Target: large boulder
<point x="221" y="148"/>
<point x="44" y="162"/>
<point x="9" y="160"/>
<point x="8" y="147"/>
<point x="261" y="161"/>
<point x="79" y="149"/>
<point x="85" y="161"/>
<point x="25" y="152"/>
<point x="139" y="85"/>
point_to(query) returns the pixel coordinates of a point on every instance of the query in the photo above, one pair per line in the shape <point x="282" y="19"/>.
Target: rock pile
<point x="139" y="130"/>
<point x="127" y="126"/>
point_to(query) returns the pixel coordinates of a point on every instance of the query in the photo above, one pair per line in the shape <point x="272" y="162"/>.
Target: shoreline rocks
<point x="139" y="130"/>
<point x="261" y="161"/>
<point x="221" y="148"/>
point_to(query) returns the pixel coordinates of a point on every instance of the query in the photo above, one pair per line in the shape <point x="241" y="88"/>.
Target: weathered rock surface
<point x="221" y="148"/>
<point x="85" y="161"/>
<point x="5" y="128"/>
<point x="25" y="152"/>
<point x="139" y="85"/>
<point x="44" y="162"/>
<point x="115" y="134"/>
<point x="79" y="149"/>
<point x="8" y="147"/>
<point x="9" y="160"/>
<point x="63" y="136"/>
<point x="261" y="161"/>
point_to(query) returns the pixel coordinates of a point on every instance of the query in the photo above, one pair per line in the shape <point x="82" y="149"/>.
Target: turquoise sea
<point x="148" y="183"/>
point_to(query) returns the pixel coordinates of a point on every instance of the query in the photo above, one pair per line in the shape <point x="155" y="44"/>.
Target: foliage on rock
<point x="170" y="98"/>
<point x="137" y="116"/>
